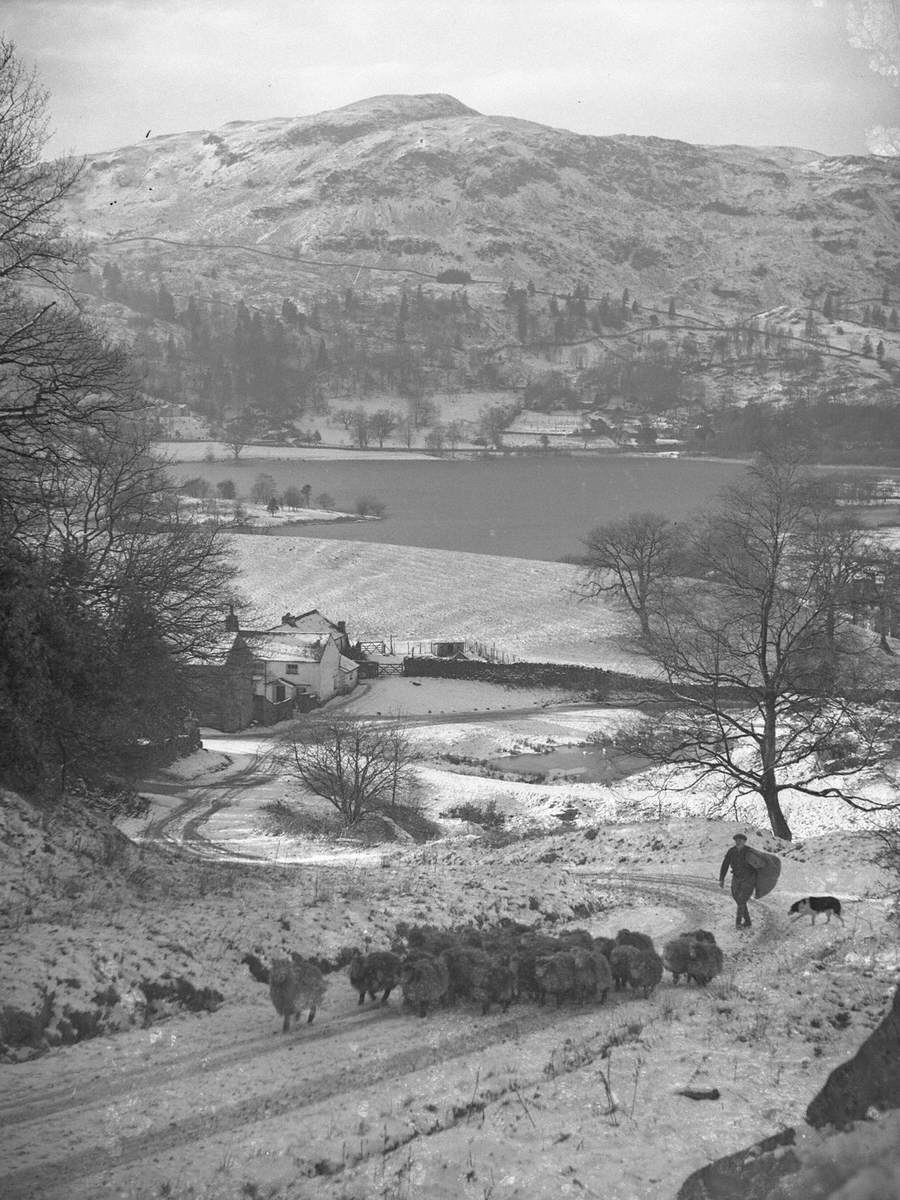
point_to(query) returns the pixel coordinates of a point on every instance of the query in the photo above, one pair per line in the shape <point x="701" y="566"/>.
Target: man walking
<point x="743" y="878"/>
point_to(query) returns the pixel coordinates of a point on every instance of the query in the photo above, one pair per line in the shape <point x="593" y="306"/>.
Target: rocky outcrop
<point x="852" y="1149"/>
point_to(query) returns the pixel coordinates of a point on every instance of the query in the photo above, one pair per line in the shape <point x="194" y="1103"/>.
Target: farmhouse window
<point x="292" y="668"/>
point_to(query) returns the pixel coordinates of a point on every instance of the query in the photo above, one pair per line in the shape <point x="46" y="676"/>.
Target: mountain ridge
<point x="429" y="183"/>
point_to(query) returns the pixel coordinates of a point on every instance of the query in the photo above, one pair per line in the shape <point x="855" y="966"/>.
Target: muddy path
<point x="156" y="1104"/>
<point x="181" y="825"/>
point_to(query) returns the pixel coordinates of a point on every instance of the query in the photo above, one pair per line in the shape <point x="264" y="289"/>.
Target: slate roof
<point x="285" y="646"/>
<point x="311" y="621"/>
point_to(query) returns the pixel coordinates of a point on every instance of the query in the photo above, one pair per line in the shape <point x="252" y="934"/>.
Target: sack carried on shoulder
<point x="767" y="867"/>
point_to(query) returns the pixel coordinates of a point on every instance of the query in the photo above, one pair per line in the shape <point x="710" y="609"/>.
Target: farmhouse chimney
<point x="289" y="619"/>
<point x="231" y="621"/>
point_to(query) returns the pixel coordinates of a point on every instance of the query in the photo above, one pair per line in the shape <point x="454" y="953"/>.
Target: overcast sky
<point x="758" y="72"/>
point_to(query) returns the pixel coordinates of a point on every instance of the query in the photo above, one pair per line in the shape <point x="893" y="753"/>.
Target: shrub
<point x="196" y="487"/>
<point x="488" y="817"/>
<point x="368" y="506"/>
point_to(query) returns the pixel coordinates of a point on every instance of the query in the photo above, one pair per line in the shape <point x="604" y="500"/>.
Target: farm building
<point x="314" y="621"/>
<point x="269" y="675"/>
<point x="556" y="430"/>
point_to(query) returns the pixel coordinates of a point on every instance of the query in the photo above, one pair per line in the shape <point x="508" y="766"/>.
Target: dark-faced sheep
<point x="424" y="980"/>
<point x="378" y="971"/>
<point x="295" y="984"/>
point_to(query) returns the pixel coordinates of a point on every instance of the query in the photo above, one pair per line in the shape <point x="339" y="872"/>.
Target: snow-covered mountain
<point x="425" y="184"/>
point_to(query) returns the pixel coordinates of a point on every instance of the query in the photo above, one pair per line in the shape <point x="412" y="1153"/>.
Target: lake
<point x="526" y="507"/>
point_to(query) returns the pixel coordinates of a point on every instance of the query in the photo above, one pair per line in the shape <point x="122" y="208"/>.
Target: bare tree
<point x="263" y="488"/>
<point x="771" y="688"/>
<point x="107" y="590"/>
<point x="435" y="438"/>
<point x="631" y="558"/>
<point x="382" y="424"/>
<point x="876" y="589"/>
<point x="31" y="245"/>
<point x="493" y="422"/>
<point x="453" y="432"/>
<point x="108" y="595"/>
<point x="361" y="427"/>
<point x="238" y="432"/>
<point x="358" y="766"/>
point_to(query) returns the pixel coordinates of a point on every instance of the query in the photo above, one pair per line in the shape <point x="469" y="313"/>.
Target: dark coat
<point x="743" y="876"/>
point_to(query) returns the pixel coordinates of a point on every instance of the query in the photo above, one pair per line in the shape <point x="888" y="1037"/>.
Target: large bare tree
<point x="106" y="592"/>
<point x="631" y="559"/>
<point x="30" y="187"/>
<point x="771" y="688"/>
<point x="358" y="766"/>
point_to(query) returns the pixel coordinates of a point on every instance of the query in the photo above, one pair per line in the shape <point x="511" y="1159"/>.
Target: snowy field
<point x="519" y="607"/>
<point x="211" y="451"/>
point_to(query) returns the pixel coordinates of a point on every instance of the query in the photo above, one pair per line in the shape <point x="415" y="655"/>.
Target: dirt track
<point x="90" y="1119"/>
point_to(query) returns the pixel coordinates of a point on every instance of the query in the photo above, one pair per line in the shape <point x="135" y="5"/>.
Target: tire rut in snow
<point x="43" y="1181"/>
<point x="17" y="1110"/>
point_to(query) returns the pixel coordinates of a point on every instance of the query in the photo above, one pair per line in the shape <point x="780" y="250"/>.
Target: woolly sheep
<point x="638" y="968"/>
<point x="585" y="974"/>
<point x="375" y="972"/>
<point x="295" y="984"/>
<point x="694" y="955"/>
<point x="676" y="956"/>
<point x="529" y="950"/>
<point x="627" y="937"/>
<point x="571" y="938"/>
<point x="705" y="963"/>
<point x="493" y="982"/>
<point x="555" y="975"/>
<point x="424" y="980"/>
<point x="475" y="974"/>
<point x="646" y="972"/>
<point x="604" y="946"/>
<point x="620" y="960"/>
<point x="603" y="974"/>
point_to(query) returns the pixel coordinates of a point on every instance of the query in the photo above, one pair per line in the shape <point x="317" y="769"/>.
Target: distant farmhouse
<point x="557" y="430"/>
<point x="265" y="676"/>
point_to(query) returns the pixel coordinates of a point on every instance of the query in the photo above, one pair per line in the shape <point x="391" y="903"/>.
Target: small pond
<point x="589" y="764"/>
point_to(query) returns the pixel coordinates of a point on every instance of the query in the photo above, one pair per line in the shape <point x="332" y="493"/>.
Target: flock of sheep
<point x="438" y="967"/>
